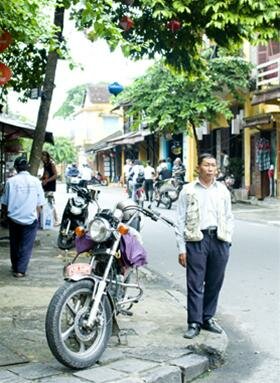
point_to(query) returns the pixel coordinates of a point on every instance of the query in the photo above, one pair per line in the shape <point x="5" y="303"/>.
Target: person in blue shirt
<point x="22" y="201"/>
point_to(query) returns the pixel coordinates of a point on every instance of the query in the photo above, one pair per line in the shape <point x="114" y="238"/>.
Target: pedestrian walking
<point x="205" y="223"/>
<point x="149" y="173"/>
<point x="22" y="201"/>
<point x="138" y="177"/>
<point x="126" y="171"/>
<point x="178" y="170"/>
<point x="86" y="175"/>
<point x="169" y="163"/>
<point x="164" y="173"/>
<point x="225" y="162"/>
<point x="49" y="181"/>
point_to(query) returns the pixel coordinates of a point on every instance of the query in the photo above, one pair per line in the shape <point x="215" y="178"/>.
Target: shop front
<point x="10" y="144"/>
<point x="263" y="138"/>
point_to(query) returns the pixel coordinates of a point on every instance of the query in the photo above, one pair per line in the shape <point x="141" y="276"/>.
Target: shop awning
<point x="269" y="96"/>
<point x="12" y="129"/>
<point x="103" y="145"/>
<point x="130" y="138"/>
<point x="261" y="119"/>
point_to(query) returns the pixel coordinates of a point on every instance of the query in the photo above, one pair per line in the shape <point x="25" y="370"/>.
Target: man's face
<point x="208" y="168"/>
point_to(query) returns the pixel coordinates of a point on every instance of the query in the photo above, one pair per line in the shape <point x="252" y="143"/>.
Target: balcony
<point x="268" y="74"/>
<point x="268" y="83"/>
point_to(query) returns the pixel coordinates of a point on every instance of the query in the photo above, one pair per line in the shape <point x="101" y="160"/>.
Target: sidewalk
<point x="151" y="347"/>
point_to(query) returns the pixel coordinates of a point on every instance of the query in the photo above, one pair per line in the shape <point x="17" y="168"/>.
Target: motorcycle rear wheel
<point x="166" y="201"/>
<point x="70" y="341"/>
<point x="104" y="182"/>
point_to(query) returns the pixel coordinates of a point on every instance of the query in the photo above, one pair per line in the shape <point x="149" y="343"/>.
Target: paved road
<point x="249" y="304"/>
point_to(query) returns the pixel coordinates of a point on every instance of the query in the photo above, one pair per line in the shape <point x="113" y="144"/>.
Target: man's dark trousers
<point x="206" y="263"/>
<point x="22" y="238"/>
<point x="149" y="187"/>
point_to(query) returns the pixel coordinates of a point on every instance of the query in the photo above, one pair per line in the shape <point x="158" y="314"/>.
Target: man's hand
<point x="183" y="259"/>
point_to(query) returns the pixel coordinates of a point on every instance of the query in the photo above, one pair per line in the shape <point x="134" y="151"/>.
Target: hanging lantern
<point x="174" y="25"/>
<point x="126" y="23"/>
<point x="5" y="40"/>
<point x="5" y="74"/>
<point x="176" y="148"/>
<point x="115" y="88"/>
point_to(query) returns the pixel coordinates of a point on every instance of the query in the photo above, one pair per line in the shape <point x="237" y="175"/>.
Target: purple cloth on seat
<point x="83" y="244"/>
<point x="133" y="253"/>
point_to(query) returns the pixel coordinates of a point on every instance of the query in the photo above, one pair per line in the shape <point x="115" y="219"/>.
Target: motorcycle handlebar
<point x="154" y="215"/>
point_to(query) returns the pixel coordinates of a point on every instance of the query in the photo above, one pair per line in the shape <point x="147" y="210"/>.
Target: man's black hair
<point x="21" y="164"/>
<point x="202" y="156"/>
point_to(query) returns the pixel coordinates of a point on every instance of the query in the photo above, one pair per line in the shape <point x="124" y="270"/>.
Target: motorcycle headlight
<point x="99" y="229"/>
<point x="76" y="210"/>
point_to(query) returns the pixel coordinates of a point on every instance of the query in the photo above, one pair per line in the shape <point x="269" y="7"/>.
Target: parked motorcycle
<point x="228" y="181"/>
<point x="99" y="179"/>
<point x="75" y="214"/>
<point x="82" y="314"/>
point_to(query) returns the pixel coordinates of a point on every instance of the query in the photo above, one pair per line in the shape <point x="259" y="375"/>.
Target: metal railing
<point x="268" y="73"/>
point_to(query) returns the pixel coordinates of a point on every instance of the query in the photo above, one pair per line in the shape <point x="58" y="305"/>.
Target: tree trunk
<point x="46" y="98"/>
<point x="195" y="137"/>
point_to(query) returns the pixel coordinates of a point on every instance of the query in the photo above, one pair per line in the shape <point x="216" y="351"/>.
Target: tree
<point x="176" y="29"/>
<point x="47" y="91"/>
<point x="74" y="101"/>
<point x="63" y="152"/>
<point x="29" y="23"/>
<point x="173" y="29"/>
<point x="173" y="103"/>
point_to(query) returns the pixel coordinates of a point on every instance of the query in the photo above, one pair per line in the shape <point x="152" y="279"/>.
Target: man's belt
<point x="211" y="230"/>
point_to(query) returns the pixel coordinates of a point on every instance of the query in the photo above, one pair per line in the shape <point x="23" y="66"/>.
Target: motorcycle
<point x="99" y="179"/>
<point x="229" y="181"/>
<point x="140" y="196"/>
<point x="178" y="184"/>
<point x="82" y="314"/>
<point x="161" y="193"/>
<point x="72" y="181"/>
<point x="74" y="215"/>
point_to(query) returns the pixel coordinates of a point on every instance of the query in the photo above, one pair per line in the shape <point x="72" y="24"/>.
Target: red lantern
<point x="174" y="25"/>
<point x="5" y="40"/>
<point x="5" y="74"/>
<point x="126" y="23"/>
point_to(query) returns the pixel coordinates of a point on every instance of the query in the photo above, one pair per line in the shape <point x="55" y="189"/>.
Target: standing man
<point x="86" y="175"/>
<point x="22" y="201"/>
<point x="49" y="181"/>
<point x="225" y="162"/>
<point x="126" y="170"/>
<point x="149" y="173"/>
<point x="205" y="223"/>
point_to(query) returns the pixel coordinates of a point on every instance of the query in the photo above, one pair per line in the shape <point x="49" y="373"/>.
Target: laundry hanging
<point x="263" y="154"/>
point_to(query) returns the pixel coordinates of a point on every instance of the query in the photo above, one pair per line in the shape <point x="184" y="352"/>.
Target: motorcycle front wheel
<point x="65" y="242"/>
<point x="70" y="340"/>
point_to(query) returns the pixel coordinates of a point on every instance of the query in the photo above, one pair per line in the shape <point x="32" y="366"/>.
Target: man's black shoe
<point x="212" y="326"/>
<point x="193" y="330"/>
